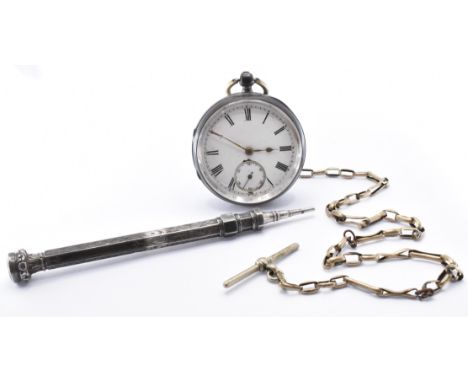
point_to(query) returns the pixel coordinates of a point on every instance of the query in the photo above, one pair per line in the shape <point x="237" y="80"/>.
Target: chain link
<point x="411" y="229"/>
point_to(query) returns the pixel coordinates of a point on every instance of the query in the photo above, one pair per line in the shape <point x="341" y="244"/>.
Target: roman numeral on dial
<point x="217" y="170"/>
<point x="212" y="152"/>
<point x="229" y="119"/>
<point x="280" y="130"/>
<point x="232" y="184"/>
<point x="248" y="114"/>
<point x="281" y="166"/>
<point x="266" y="116"/>
<point x="285" y="148"/>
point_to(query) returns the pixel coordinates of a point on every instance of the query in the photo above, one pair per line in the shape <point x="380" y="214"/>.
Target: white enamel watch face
<point x="249" y="148"/>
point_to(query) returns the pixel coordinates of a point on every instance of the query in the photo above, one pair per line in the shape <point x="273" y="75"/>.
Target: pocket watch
<point x="249" y="147"/>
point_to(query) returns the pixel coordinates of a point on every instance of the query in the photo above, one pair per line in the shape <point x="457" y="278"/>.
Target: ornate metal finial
<point x="22" y="265"/>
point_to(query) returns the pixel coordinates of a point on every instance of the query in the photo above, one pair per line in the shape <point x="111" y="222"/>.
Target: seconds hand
<point x="248" y="179"/>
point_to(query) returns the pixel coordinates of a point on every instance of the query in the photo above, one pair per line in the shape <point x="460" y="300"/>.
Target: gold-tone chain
<point x="411" y="229"/>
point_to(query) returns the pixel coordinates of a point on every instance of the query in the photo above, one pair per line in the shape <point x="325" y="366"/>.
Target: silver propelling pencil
<point x="22" y="264"/>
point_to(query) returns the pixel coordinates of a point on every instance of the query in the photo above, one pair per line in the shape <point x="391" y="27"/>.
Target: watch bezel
<point x="234" y="98"/>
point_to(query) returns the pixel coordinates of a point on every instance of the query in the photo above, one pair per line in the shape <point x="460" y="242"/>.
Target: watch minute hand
<point x="227" y="139"/>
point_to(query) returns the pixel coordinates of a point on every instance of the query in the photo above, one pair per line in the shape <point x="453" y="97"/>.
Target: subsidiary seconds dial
<point x="248" y="148"/>
<point x="250" y="176"/>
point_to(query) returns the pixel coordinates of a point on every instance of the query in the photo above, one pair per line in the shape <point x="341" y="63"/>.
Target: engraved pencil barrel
<point x="123" y="245"/>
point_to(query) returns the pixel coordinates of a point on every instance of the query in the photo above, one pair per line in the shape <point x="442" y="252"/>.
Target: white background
<point x="97" y="107"/>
